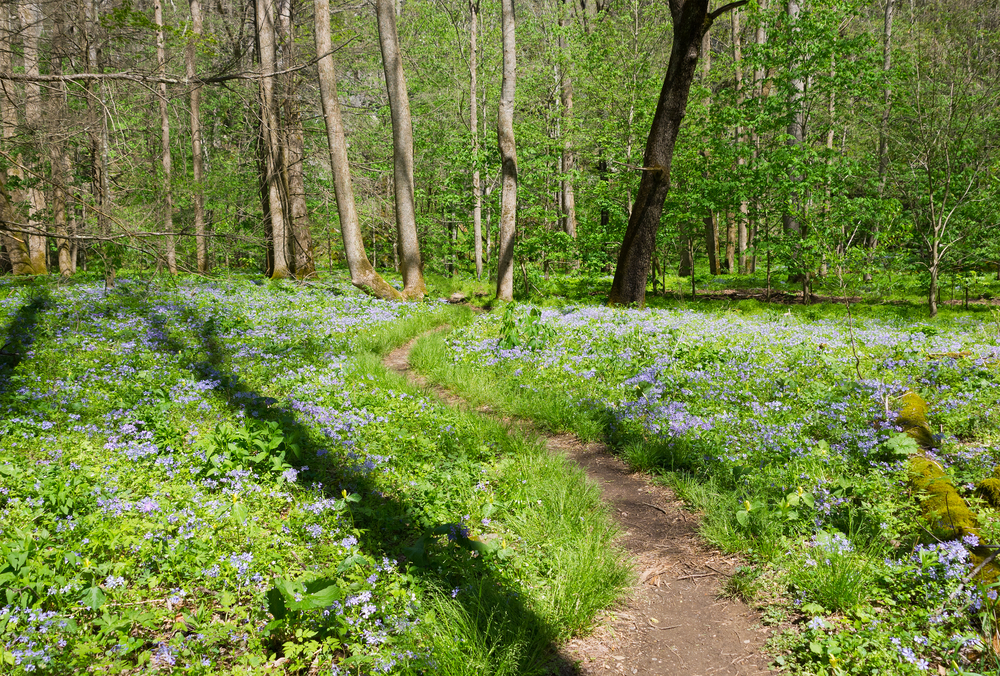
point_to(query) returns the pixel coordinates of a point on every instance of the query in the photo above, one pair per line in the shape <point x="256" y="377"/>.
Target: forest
<point x="437" y="337"/>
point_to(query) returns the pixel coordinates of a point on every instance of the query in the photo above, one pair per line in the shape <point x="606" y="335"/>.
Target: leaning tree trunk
<point x="198" y="198"/>
<point x="508" y="156"/>
<point x="691" y="20"/>
<point x="402" y="152"/>
<point x="31" y="30"/>
<point x="271" y="145"/>
<point x="168" y="198"/>
<point x="363" y="275"/>
<point x="477" y="197"/>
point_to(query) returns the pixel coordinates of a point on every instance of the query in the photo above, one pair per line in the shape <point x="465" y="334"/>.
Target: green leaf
<point x="743" y="518"/>
<point x="320" y="599"/>
<point x="276" y="603"/>
<point x="93" y="597"/>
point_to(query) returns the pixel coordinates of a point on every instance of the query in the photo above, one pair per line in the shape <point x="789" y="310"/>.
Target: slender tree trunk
<point x="363" y="275"/>
<point x="168" y="198"/>
<point x="31" y="30"/>
<point x="744" y="210"/>
<point x="883" y="132"/>
<point x="710" y="219"/>
<point x="477" y="197"/>
<point x="686" y="267"/>
<point x="15" y="242"/>
<point x="294" y="153"/>
<point x="402" y="152"/>
<point x="508" y="156"/>
<point x="57" y="147"/>
<point x="793" y="227"/>
<point x="270" y="138"/>
<point x="97" y="121"/>
<point x="690" y="22"/>
<point x="198" y="198"/>
<point x="568" y="199"/>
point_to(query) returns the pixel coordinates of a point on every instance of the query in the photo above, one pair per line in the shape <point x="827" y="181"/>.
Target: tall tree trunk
<point x="168" y="197"/>
<point x="793" y="228"/>
<point x="883" y="131"/>
<point x="270" y="138"/>
<point x="57" y="147"/>
<point x="363" y="275"/>
<point x="508" y="156"/>
<point x="97" y="121"/>
<point x="14" y="241"/>
<point x="567" y="197"/>
<point x="711" y="220"/>
<point x="744" y="210"/>
<point x="402" y="152"/>
<point x="477" y="197"/>
<point x="690" y="22"/>
<point x="31" y="30"/>
<point x="198" y="198"/>
<point x="294" y="153"/>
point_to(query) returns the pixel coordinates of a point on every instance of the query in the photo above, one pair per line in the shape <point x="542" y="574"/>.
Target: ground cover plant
<point x="783" y="428"/>
<point x="220" y="477"/>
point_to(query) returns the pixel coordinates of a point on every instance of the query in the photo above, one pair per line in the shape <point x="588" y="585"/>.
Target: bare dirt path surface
<point x="674" y="623"/>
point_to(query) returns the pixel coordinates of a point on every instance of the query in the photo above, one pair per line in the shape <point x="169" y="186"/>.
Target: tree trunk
<point x="690" y="22"/>
<point x="57" y="148"/>
<point x="712" y="242"/>
<point x="686" y="267"/>
<point x="568" y="199"/>
<point x="508" y="156"/>
<point x="31" y="30"/>
<point x="363" y="275"/>
<point x="744" y="210"/>
<point x="730" y="266"/>
<point x="477" y="197"/>
<point x="168" y="198"/>
<point x="198" y="198"/>
<point x="793" y="227"/>
<point x="16" y="243"/>
<point x="97" y="122"/>
<point x="294" y="153"/>
<point x="402" y="152"/>
<point x="270" y="138"/>
<point x="883" y="132"/>
<point x="710" y="220"/>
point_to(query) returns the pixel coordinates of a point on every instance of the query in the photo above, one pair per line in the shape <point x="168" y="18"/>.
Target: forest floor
<point x="675" y="622"/>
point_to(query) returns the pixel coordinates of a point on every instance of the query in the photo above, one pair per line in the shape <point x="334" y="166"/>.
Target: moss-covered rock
<point x="989" y="490"/>
<point x="913" y="419"/>
<point x="947" y="515"/>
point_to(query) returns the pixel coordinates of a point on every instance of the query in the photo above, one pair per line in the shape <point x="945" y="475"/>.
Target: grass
<point x="221" y="477"/>
<point x="759" y="419"/>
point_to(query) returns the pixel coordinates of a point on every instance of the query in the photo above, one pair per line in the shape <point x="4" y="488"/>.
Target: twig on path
<point x="718" y="571"/>
<point x="688" y="577"/>
<point x="649" y="504"/>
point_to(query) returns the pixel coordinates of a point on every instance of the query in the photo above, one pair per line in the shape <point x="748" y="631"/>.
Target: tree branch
<point x="722" y="10"/>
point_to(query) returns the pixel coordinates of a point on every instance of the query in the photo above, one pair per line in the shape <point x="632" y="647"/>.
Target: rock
<point x="457" y="297"/>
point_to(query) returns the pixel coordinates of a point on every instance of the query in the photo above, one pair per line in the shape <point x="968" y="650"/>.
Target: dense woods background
<point x="821" y="136"/>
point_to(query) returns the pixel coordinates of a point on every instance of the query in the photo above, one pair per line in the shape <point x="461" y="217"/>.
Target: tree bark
<point x="57" y="148"/>
<point x="508" y="156"/>
<point x="198" y="198"/>
<point x="711" y="219"/>
<point x="168" y="197"/>
<point x="16" y="243"/>
<point x="97" y="121"/>
<point x="270" y="138"/>
<point x="744" y="210"/>
<point x="294" y="153"/>
<point x="363" y="275"/>
<point x="793" y="227"/>
<point x="883" y="132"/>
<point x="402" y="152"/>
<point x="690" y="22"/>
<point x="31" y="30"/>
<point x="567" y="196"/>
<point x="477" y="197"/>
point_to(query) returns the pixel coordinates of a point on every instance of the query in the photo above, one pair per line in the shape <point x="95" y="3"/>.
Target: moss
<point x="913" y="419"/>
<point x="947" y="515"/>
<point x="989" y="490"/>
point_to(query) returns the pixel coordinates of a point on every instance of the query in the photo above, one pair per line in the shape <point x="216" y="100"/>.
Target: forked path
<point x="674" y="623"/>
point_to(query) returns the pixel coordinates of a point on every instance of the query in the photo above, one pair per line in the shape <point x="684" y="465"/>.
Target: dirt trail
<point x="674" y="624"/>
